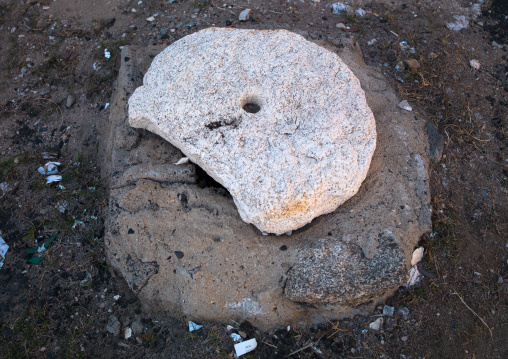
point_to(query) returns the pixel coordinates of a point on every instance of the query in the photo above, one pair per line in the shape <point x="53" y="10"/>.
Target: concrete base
<point x="185" y="249"/>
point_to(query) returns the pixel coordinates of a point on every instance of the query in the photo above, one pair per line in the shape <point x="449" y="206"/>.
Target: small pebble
<point x="388" y="311"/>
<point x="405" y="106"/>
<point x="412" y="64"/>
<point x="376" y="325"/>
<point x="475" y="64"/>
<point x="70" y="101"/>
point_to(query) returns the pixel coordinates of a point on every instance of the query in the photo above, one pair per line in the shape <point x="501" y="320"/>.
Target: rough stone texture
<point x="185" y="250"/>
<point x="304" y="153"/>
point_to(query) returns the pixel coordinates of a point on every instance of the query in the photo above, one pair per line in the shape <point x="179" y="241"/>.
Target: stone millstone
<point x="280" y="122"/>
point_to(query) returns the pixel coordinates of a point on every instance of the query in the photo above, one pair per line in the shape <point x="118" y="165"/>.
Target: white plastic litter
<point x="417" y="256"/>
<point x="414" y="277"/>
<point x="236" y="337"/>
<point x="53" y="178"/>
<point x="461" y="22"/>
<point x="150" y="19"/>
<point x="245" y="15"/>
<point x="360" y="12"/>
<point x="61" y="206"/>
<point x="376" y="325"/>
<point x="403" y="45"/>
<point x="4" y="186"/>
<point x="50" y="168"/>
<point x="107" y="105"/>
<point x="371" y="42"/>
<point x="77" y="224"/>
<point x="405" y="106"/>
<point x="3" y="250"/>
<point x="338" y="7"/>
<point x="181" y="161"/>
<point x="193" y="326"/>
<point x="475" y="64"/>
<point x="107" y="54"/>
<point x="245" y="347"/>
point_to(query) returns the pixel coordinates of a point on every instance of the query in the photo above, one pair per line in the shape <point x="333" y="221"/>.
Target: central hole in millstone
<point x="251" y="107"/>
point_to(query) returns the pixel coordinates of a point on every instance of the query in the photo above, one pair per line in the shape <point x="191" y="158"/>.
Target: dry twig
<point x="468" y="307"/>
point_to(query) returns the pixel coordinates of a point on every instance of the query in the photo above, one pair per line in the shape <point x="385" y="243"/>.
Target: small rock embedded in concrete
<point x="412" y="64"/>
<point x="405" y="106"/>
<point x="475" y="64"/>
<point x="245" y="15"/>
<point x="71" y="100"/>
<point x="377" y="324"/>
<point x="113" y="325"/>
<point x="388" y="311"/>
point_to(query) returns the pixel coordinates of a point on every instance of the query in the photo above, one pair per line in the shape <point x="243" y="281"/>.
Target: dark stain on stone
<point x="183" y="198"/>
<point x="130" y="231"/>
<point x="140" y="272"/>
<point x="214" y="125"/>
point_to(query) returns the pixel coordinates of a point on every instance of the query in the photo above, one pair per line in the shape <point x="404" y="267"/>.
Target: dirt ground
<point x="55" y="85"/>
